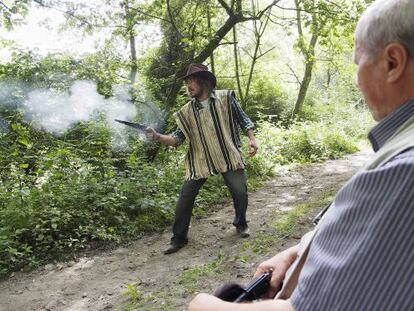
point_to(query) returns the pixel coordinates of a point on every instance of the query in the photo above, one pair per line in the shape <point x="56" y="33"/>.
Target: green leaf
<point x="23" y="141"/>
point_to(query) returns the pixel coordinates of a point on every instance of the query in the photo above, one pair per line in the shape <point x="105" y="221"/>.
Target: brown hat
<point x="201" y="70"/>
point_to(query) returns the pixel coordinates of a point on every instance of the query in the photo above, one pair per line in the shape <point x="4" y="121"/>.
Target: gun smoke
<point x="56" y="111"/>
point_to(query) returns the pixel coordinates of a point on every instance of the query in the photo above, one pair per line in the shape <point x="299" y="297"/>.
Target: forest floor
<point x="138" y="276"/>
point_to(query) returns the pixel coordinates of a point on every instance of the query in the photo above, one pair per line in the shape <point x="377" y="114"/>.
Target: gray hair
<point x="386" y="21"/>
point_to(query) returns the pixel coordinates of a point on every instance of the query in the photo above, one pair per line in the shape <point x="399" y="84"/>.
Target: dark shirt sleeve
<point x="240" y="116"/>
<point x="178" y="136"/>
<point x="361" y="257"/>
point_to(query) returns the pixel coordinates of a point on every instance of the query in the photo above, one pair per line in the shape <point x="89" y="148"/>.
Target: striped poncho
<point x="212" y="144"/>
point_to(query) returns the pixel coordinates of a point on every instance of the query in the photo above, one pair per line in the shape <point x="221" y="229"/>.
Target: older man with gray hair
<point x="360" y="255"/>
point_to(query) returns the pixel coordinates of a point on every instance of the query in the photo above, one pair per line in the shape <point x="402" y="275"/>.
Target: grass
<point x="287" y="224"/>
<point x="190" y="279"/>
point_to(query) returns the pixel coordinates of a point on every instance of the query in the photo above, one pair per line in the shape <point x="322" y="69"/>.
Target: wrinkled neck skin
<point x="396" y="93"/>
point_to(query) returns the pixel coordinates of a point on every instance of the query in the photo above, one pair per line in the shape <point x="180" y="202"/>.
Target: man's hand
<point x="152" y="134"/>
<point x="253" y="146"/>
<point x="279" y="264"/>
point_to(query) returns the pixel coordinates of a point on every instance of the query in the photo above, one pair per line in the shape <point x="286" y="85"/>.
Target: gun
<point x="235" y="293"/>
<point x="138" y="126"/>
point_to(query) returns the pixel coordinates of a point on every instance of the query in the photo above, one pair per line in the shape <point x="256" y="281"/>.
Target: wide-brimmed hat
<point x="201" y="70"/>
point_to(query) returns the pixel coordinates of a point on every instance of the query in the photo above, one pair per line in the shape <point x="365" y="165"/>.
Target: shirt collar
<point x="390" y="124"/>
<point x="197" y="103"/>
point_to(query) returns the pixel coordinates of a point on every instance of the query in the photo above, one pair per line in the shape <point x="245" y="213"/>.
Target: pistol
<point x="138" y="126"/>
<point x="256" y="288"/>
<point x="235" y="293"/>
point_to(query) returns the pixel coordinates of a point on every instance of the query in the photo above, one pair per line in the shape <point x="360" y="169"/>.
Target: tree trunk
<point x="258" y="33"/>
<point x="307" y="77"/>
<point x="328" y="78"/>
<point x="250" y="77"/>
<point x="134" y="66"/>
<point x="309" y="54"/>
<point x="236" y="66"/>
<point x="212" y="63"/>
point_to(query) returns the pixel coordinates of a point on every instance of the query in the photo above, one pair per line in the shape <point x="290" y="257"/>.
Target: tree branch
<point x="73" y="15"/>
<point x="172" y="21"/>
<point x="261" y="13"/>
<point x="239" y="7"/>
<point x="298" y="19"/>
<point x="294" y="74"/>
<point x="265" y="52"/>
<point x="5" y="6"/>
<point x="149" y="15"/>
<point x="85" y="21"/>
<point x="233" y="19"/>
<point x="226" y="7"/>
<point x="318" y="10"/>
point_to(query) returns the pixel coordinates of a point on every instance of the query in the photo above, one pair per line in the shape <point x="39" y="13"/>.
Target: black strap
<point x="321" y="213"/>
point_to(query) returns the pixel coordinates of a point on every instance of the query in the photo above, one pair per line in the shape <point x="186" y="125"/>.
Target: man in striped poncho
<point x="210" y="122"/>
<point x="360" y="256"/>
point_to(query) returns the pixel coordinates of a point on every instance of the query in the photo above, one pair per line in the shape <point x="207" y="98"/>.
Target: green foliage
<point x="13" y="12"/>
<point x="58" y="71"/>
<point x="334" y="133"/>
<point x="309" y="142"/>
<point x="267" y="99"/>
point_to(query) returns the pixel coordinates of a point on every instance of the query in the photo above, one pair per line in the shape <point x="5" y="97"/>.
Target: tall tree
<point x="186" y="39"/>
<point x="120" y="17"/>
<point x="320" y="22"/>
<point x="308" y="51"/>
<point x="256" y="52"/>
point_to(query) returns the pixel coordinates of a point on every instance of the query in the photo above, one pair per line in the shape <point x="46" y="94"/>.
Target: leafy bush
<point x="267" y="100"/>
<point x="312" y="142"/>
<point x="304" y="142"/>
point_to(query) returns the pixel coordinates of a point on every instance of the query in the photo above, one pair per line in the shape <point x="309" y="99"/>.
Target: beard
<point x="194" y="93"/>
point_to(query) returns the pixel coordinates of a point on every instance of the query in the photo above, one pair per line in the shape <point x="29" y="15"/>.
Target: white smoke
<point x="56" y="111"/>
<point x="119" y="107"/>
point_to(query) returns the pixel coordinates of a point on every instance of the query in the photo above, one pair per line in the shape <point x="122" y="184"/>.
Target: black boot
<point x="243" y="231"/>
<point x="174" y="246"/>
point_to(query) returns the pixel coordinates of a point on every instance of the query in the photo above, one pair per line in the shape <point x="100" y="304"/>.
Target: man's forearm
<point x="265" y="305"/>
<point x="204" y="302"/>
<point x="250" y="134"/>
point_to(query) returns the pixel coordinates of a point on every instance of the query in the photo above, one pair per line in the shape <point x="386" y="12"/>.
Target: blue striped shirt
<point x="240" y="119"/>
<point x="362" y="256"/>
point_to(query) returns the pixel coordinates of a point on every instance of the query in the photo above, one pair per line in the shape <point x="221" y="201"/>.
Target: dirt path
<point x="214" y="253"/>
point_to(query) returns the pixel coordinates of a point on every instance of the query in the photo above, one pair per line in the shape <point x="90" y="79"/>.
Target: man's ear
<point x="396" y="56"/>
